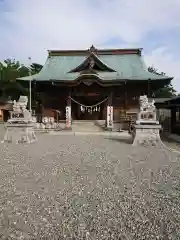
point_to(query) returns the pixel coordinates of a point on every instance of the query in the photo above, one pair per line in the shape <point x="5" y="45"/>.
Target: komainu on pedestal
<point x="20" y="126"/>
<point x="146" y="129"/>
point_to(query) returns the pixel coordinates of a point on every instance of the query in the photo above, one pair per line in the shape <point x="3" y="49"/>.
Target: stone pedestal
<point x="146" y="135"/>
<point x="19" y="133"/>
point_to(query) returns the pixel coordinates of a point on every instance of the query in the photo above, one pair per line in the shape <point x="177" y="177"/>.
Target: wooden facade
<point x="173" y="105"/>
<point x="90" y="76"/>
<point x="123" y="97"/>
<point x="5" y="108"/>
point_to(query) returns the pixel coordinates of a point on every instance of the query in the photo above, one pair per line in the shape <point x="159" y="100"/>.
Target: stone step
<point x="120" y="135"/>
<point x="86" y="130"/>
<point x="83" y="123"/>
<point x="85" y="126"/>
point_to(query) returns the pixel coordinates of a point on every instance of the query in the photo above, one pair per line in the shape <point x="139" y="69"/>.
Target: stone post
<point x="68" y="114"/>
<point x="109" y="118"/>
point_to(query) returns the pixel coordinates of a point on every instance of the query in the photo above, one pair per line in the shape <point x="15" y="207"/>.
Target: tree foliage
<point x="10" y="70"/>
<point x="36" y="68"/>
<point x="167" y="91"/>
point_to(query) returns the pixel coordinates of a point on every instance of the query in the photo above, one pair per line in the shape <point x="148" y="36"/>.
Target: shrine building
<point x="90" y="80"/>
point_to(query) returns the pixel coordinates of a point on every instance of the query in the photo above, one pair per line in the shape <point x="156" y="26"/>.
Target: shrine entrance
<point x="88" y="107"/>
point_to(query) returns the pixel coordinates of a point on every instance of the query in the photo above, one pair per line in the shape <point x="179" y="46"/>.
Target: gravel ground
<point x="66" y="187"/>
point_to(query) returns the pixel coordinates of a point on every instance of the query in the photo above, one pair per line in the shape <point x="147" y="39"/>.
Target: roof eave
<point x="96" y="75"/>
<point x="163" y="78"/>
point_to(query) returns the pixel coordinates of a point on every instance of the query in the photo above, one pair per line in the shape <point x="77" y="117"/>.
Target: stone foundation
<point x="146" y="135"/>
<point x="19" y="133"/>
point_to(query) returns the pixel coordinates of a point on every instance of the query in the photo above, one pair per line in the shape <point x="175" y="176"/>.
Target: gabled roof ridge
<point x="87" y="58"/>
<point x="100" y="51"/>
<point x="96" y="56"/>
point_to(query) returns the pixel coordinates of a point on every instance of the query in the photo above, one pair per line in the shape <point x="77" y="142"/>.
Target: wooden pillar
<point x="34" y="94"/>
<point x="178" y="113"/>
<point x="149" y="95"/>
<point x="110" y="99"/>
<point x="69" y="101"/>
<point x="173" y="119"/>
<point x="78" y="112"/>
<point x="125" y="96"/>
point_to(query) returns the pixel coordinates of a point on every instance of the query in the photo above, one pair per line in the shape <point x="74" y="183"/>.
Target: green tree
<point x="167" y="91"/>
<point x="10" y="70"/>
<point x="36" y="68"/>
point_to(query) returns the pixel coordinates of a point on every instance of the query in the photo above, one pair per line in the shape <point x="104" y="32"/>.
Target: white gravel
<point x="79" y="187"/>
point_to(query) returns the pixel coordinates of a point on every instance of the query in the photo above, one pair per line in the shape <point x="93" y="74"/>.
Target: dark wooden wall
<point x="123" y="97"/>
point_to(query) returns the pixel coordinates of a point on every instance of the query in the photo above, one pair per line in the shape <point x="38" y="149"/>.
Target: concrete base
<point x="147" y="135"/>
<point x="19" y="133"/>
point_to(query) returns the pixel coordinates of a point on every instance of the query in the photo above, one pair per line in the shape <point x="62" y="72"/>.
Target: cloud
<point x="29" y="28"/>
<point x="163" y="60"/>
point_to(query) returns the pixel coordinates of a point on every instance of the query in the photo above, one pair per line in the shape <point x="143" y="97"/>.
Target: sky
<point x="28" y="28"/>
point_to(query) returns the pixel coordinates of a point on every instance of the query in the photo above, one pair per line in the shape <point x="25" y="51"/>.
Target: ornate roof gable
<point x="92" y="64"/>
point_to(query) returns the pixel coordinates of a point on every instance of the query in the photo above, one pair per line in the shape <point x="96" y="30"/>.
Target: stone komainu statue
<point x="19" y="109"/>
<point x="147" y="109"/>
<point x="145" y="105"/>
<point x="20" y="127"/>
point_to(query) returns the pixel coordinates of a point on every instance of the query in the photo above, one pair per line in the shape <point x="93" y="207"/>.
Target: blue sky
<point x="30" y="28"/>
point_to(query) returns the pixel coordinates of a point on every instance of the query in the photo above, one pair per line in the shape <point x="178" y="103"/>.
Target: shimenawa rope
<point x="86" y="106"/>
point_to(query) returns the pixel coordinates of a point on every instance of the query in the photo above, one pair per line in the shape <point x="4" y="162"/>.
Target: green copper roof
<point x="127" y="67"/>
